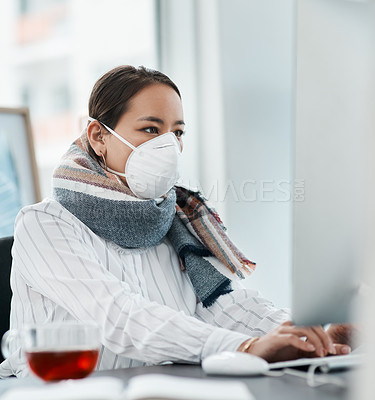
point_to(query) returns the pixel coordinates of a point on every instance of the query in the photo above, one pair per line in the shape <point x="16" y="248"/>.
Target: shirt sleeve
<point x="243" y="310"/>
<point x="55" y="261"/>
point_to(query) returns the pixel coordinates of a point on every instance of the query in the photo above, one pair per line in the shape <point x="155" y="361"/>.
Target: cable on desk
<point x="312" y="379"/>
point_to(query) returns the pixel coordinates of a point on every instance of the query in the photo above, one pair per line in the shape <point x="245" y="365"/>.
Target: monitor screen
<point x="334" y="153"/>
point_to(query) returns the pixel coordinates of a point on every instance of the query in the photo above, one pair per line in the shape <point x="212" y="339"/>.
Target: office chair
<point x="5" y="291"/>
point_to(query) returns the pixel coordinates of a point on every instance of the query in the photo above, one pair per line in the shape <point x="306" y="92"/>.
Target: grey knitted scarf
<point x="110" y="209"/>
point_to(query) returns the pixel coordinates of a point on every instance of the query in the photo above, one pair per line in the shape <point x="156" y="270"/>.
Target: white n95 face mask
<point x="152" y="168"/>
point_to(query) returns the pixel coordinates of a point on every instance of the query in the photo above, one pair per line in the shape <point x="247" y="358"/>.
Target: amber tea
<point x="56" y="365"/>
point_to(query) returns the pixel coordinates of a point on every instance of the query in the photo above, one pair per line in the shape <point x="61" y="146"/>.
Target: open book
<point x="141" y="387"/>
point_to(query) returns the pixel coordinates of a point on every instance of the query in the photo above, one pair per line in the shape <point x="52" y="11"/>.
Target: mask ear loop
<point x="114" y="133"/>
<point x="101" y="154"/>
<point x="105" y="164"/>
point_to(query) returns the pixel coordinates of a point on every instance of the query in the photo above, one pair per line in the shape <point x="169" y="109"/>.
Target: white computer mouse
<point x="234" y="363"/>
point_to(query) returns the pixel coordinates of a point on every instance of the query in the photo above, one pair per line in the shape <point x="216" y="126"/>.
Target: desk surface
<point x="262" y="387"/>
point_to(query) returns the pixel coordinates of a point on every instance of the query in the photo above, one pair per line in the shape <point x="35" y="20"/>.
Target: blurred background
<point x="53" y="51"/>
<point x="235" y="63"/>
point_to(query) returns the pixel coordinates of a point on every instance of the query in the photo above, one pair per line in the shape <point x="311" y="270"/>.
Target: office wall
<point x="257" y="70"/>
<point x="234" y="63"/>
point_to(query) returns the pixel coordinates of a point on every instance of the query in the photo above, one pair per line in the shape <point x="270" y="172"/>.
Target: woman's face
<point x="153" y="111"/>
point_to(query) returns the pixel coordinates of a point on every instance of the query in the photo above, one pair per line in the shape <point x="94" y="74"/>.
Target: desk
<point x="262" y="387"/>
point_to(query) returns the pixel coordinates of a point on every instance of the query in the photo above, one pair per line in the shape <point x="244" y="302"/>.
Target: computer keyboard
<point x="327" y="363"/>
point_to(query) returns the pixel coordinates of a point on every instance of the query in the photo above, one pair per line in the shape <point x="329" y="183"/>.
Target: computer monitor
<point x="329" y="227"/>
<point x="334" y="153"/>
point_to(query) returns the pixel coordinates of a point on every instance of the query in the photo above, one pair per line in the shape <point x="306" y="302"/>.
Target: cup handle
<point x="5" y="342"/>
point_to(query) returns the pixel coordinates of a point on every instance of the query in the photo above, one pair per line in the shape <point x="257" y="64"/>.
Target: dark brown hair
<point x="111" y="94"/>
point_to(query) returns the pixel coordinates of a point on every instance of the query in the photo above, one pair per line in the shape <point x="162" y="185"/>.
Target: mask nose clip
<point x="162" y="146"/>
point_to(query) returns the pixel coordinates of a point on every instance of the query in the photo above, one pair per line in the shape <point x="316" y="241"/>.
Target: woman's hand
<point x="345" y="335"/>
<point x="342" y="333"/>
<point x="285" y="343"/>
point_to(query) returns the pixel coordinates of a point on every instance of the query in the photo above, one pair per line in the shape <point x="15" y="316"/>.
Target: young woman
<point x="149" y="261"/>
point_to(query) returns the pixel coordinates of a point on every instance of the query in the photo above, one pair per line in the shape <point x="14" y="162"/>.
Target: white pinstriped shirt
<point x="141" y="299"/>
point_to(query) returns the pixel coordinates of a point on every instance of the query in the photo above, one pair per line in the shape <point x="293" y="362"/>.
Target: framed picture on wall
<point x="19" y="183"/>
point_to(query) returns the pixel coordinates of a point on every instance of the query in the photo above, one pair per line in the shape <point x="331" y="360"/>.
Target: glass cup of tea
<point x="57" y="350"/>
